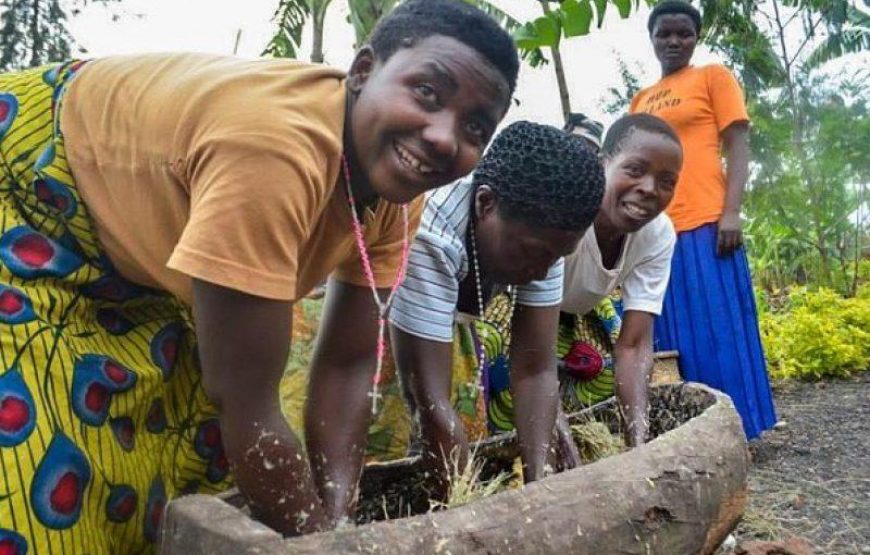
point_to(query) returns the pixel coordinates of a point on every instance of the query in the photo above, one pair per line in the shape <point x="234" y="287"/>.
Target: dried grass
<point x="595" y="441"/>
<point x="465" y="483"/>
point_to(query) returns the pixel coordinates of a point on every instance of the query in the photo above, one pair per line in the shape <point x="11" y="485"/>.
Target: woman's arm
<point x="338" y="410"/>
<point x="425" y="368"/>
<point x="632" y="364"/>
<point x="534" y="383"/>
<point x="735" y="144"/>
<point x="243" y="344"/>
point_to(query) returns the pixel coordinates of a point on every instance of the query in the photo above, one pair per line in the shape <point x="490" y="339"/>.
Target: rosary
<point x="383" y="306"/>
<point x="483" y="330"/>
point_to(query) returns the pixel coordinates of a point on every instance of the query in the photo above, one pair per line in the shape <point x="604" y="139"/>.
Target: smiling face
<point x="422" y="119"/>
<point x="641" y="178"/>
<point x="512" y="252"/>
<point x="674" y="39"/>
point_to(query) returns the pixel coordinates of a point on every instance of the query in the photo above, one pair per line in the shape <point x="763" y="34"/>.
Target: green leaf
<point x="576" y="17"/>
<point x="526" y="37"/>
<point x="624" y="7"/>
<point x="540" y="33"/>
<point x="600" y="9"/>
<point x="534" y="57"/>
<point x="549" y="29"/>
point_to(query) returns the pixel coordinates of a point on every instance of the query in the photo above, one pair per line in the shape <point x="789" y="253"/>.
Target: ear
<point x="362" y="67"/>
<point x="485" y="202"/>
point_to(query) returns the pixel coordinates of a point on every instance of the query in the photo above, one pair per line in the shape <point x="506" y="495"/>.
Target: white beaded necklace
<point x="483" y="332"/>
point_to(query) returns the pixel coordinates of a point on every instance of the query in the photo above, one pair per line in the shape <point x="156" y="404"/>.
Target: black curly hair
<point x="622" y="129"/>
<point x="542" y="177"/>
<point x="674" y="7"/>
<point x="415" y="20"/>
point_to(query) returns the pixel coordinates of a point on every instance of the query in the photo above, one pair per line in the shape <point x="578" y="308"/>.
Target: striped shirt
<point x="425" y="304"/>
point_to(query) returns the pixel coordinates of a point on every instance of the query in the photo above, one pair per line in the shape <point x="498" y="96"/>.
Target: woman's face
<point x="512" y="252"/>
<point x="674" y="39"/>
<point x="422" y="119"/>
<point x="641" y="178"/>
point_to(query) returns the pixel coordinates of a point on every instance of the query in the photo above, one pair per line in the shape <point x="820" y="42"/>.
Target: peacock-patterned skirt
<point x="102" y="415"/>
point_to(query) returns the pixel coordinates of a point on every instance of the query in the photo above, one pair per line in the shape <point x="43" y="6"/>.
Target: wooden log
<point x="682" y="493"/>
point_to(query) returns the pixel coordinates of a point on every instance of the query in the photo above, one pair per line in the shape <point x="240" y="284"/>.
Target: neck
<point x="671" y="71"/>
<point x="605" y="232"/>
<point x="363" y="191"/>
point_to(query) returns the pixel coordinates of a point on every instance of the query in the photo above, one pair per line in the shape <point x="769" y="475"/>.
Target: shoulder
<point x="717" y="73"/>
<point x="657" y="235"/>
<point x="714" y="69"/>
<point x="447" y="209"/>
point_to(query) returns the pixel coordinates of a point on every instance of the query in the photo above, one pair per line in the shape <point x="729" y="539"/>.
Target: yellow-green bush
<point x="817" y="334"/>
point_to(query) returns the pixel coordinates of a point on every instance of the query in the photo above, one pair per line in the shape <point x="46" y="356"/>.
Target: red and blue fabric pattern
<point x="95" y="379"/>
<point x="154" y="508"/>
<point x="29" y="254"/>
<point x="59" y="484"/>
<point x="12" y="543"/>
<point x="8" y="111"/>
<point x="125" y="432"/>
<point x="15" y="306"/>
<point x="164" y="347"/>
<point x="121" y="503"/>
<point x="17" y="409"/>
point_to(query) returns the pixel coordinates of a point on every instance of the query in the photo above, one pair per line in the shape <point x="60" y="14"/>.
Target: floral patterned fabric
<point x="585" y="352"/>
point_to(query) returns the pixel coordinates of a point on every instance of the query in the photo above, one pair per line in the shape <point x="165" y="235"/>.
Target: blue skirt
<point x="709" y="316"/>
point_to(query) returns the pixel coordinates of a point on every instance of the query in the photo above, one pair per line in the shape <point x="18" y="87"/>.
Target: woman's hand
<point x="565" y="453"/>
<point x="729" y="235"/>
<point x="243" y="344"/>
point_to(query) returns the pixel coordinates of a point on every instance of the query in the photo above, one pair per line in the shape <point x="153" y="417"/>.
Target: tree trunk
<point x="681" y="493"/>
<point x="560" y="73"/>
<point x="317" y="19"/>
<point x="35" y="58"/>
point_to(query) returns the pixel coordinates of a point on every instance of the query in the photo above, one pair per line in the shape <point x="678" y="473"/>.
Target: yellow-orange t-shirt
<point x="221" y="169"/>
<point x="699" y="103"/>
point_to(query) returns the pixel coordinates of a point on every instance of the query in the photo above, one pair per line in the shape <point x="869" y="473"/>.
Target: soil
<point x="400" y="489"/>
<point x="810" y="477"/>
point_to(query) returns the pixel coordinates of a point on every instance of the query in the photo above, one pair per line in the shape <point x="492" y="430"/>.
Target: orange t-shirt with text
<point x="221" y="169"/>
<point x="699" y="103"/>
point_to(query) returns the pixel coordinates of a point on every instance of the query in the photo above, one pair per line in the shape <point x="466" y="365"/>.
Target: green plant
<point x="818" y="334"/>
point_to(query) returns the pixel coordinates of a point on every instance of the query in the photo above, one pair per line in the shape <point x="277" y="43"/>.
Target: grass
<point x="465" y="484"/>
<point x="595" y="441"/>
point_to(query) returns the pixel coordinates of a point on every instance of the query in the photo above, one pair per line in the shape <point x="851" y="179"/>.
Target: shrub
<point x="817" y="334"/>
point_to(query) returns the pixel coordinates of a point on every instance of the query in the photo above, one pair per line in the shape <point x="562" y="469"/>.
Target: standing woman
<point x="709" y="314"/>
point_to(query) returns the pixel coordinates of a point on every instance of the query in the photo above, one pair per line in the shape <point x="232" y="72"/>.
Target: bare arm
<point x="243" y="346"/>
<point x="338" y="411"/>
<point x="735" y="143"/>
<point x="632" y="364"/>
<point x="534" y="383"/>
<point x="425" y="368"/>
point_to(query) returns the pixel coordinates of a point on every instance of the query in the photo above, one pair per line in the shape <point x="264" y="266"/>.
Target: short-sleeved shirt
<point x="220" y="169"/>
<point x="642" y="270"/>
<point x="425" y="304"/>
<point x="699" y="103"/>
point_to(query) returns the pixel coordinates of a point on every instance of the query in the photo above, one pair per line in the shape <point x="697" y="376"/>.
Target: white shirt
<point x="425" y="304"/>
<point x="643" y="270"/>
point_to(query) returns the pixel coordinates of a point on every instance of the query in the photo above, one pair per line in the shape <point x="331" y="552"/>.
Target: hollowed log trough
<point x="681" y="493"/>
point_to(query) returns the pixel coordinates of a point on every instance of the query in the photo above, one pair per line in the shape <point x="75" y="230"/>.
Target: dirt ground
<point x="810" y="476"/>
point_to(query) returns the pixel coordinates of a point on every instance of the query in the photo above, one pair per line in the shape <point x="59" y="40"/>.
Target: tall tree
<point x="779" y="47"/>
<point x="34" y="32"/>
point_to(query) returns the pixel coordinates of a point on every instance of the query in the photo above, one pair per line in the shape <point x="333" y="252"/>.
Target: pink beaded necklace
<point x="383" y="306"/>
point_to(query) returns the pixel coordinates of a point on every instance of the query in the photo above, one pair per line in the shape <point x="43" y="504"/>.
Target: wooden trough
<point x="681" y="493"/>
